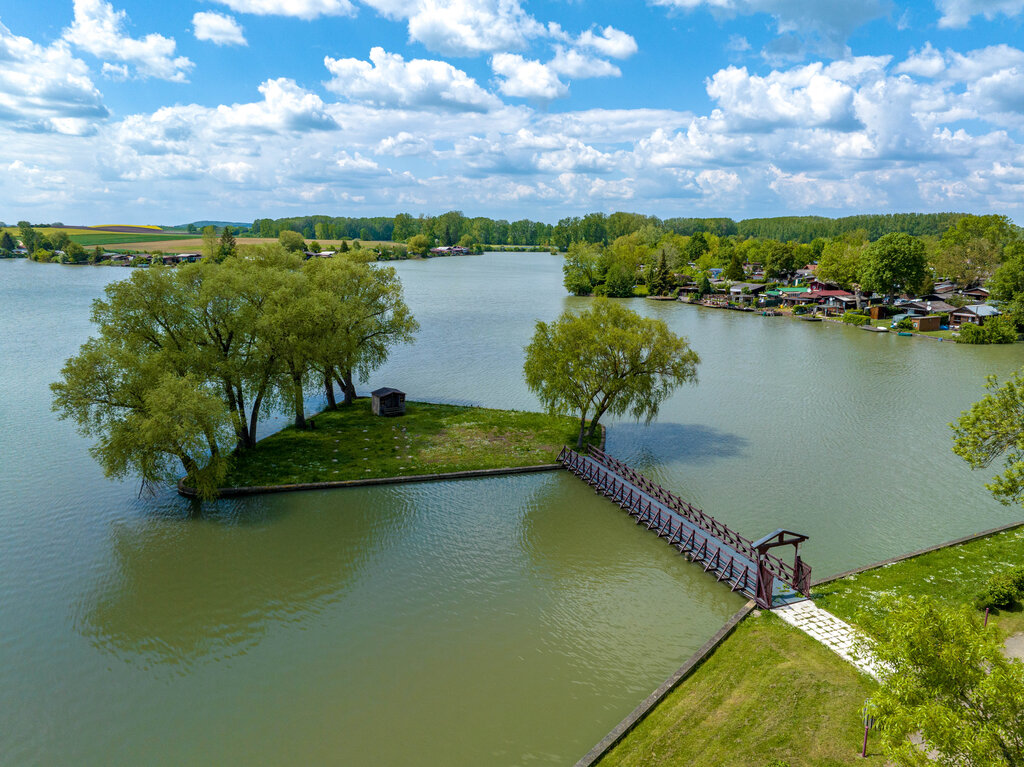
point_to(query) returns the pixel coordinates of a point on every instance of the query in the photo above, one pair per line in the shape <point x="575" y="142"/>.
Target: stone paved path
<point x="822" y="625"/>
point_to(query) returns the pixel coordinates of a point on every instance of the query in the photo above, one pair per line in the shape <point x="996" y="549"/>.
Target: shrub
<point x="802" y="309"/>
<point x="1001" y="330"/>
<point x="855" y="318"/>
<point x="905" y="324"/>
<point x="1001" y="590"/>
<point x="640" y="290"/>
<point x="972" y="334"/>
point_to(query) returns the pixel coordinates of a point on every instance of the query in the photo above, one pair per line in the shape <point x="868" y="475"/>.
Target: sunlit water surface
<point x="500" y="621"/>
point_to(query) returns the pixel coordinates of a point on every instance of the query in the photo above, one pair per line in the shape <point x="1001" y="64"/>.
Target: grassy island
<point x="351" y="443"/>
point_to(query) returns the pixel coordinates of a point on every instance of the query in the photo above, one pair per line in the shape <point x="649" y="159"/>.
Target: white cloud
<point x="609" y="42"/>
<point x="303" y="9"/>
<point x="46" y="88"/>
<point x="217" y="28"/>
<point x="572" y="63"/>
<point x="927" y="62"/>
<point x="810" y="96"/>
<point x="958" y="13"/>
<point x="99" y="29"/>
<point x="388" y="80"/>
<point x="527" y="78"/>
<point x="464" y="27"/>
<point x="821" y="26"/>
<point x="403" y="144"/>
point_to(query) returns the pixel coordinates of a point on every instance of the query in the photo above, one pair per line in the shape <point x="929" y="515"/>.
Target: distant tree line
<point x="454" y="228"/>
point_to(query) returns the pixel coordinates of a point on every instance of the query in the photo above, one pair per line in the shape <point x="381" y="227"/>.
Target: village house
<point x="745" y="291"/>
<point x="975" y="314"/>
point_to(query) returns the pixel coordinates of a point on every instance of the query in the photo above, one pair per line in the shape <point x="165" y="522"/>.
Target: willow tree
<point x="363" y="315"/>
<point x="607" y="359"/>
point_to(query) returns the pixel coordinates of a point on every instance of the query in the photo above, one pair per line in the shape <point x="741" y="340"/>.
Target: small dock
<point x="743" y="565"/>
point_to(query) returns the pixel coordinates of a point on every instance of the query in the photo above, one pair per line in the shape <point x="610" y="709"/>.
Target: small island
<point x="352" y="444"/>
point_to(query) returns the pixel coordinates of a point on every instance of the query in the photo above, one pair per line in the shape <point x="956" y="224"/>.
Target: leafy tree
<point x="228" y="247"/>
<point x="697" y="247"/>
<point x="7" y="243"/>
<point x="419" y="244"/>
<point x="97" y="255"/>
<point x="75" y="253"/>
<point x="996" y="230"/>
<point x="343" y="246"/>
<point x="704" y="287"/>
<point x="994" y="428"/>
<point x="363" y="315"/>
<point x="840" y="263"/>
<point x="945" y="678"/>
<point x="291" y="241"/>
<point x="60" y="240"/>
<point x="894" y="263"/>
<point x="734" y="271"/>
<point x="1007" y="284"/>
<point x="782" y="258"/>
<point x="29" y="236"/>
<point x="582" y="268"/>
<point x="191" y="228"/>
<point x="211" y="246"/>
<point x="606" y="359"/>
<point x="619" y="280"/>
<point x="966" y="262"/>
<point x="314" y="247"/>
<point x="660" y="280"/>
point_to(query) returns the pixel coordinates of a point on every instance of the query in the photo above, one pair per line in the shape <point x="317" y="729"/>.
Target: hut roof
<point x="385" y="391"/>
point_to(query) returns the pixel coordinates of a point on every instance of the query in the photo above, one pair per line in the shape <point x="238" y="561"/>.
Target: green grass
<point x="117" y="238"/>
<point x="952" y="575"/>
<point x="769" y="692"/>
<point x="352" y="443"/>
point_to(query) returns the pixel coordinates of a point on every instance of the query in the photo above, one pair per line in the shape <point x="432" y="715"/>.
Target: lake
<point x="500" y="621"/>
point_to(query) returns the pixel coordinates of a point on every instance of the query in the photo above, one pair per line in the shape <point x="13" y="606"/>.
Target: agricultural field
<point x="136" y="237"/>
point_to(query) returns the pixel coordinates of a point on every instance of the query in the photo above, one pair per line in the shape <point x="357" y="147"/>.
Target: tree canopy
<point x="606" y="359"/>
<point x="994" y="428"/>
<point x="894" y="263"/>
<point x="186" y="360"/>
<point x="944" y="677"/>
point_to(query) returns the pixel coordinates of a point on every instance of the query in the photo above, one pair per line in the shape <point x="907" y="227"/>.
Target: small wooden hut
<point x="388" y="401"/>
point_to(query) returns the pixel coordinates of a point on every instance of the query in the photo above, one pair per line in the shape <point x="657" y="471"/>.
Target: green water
<point x="506" y="621"/>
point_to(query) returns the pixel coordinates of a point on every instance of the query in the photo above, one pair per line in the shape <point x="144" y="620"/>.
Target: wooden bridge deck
<point x="723" y="553"/>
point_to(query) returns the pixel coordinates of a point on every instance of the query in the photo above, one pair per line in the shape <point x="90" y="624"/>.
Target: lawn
<point x="352" y="443"/>
<point x="91" y="237"/>
<point x="952" y="575"/>
<point x="769" y="695"/>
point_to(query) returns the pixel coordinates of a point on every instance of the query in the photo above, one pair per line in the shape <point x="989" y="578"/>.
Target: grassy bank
<point x="352" y="443"/>
<point x="953" y="575"/>
<point x="769" y="695"/>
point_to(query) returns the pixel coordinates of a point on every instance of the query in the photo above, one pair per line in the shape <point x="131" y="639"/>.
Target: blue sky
<point x="136" y="112"/>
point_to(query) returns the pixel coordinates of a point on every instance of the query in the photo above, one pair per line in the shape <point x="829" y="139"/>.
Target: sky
<point x="137" y="112"/>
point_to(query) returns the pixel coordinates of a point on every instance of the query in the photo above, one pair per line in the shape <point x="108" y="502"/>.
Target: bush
<point x="802" y="309"/>
<point x="905" y="324"/>
<point x="1001" y="590"/>
<point x="1001" y="330"/>
<point x="998" y="330"/>
<point x="855" y="318"/>
<point x="640" y="290"/>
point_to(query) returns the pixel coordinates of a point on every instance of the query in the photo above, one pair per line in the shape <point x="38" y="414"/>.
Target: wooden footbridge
<point x="744" y="565"/>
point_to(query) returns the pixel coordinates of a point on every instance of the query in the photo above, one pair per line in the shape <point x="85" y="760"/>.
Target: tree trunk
<point x="254" y="419"/>
<point x="348" y="387"/>
<point x="583" y="428"/>
<point x="329" y="390"/>
<point x="300" y="411"/>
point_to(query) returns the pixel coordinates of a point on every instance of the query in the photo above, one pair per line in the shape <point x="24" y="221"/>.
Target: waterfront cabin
<point x="388" y="401"/>
<point x="745" y="291"/>
<point x="923" y="308"/>
<point x="927" y="323"/>
<point x="975" y="314"/>
<point x="978" y="294"/>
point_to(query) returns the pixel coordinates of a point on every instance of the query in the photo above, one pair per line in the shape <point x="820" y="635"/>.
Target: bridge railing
<point x="706" y="549"/>
<point x="695" y="516"/>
